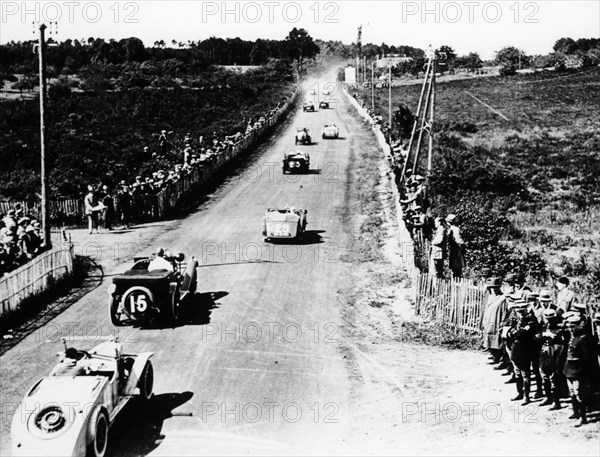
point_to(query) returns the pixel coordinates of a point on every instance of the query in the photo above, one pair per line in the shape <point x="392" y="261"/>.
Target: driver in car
<point x="160" y="262"/>
<point x="70" y="365"/>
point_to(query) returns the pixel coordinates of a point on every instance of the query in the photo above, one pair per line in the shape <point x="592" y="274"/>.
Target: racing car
<point x="287" y="223"/>
<point x="330" y="131"/>
<point x="308" y="106"/>
<point x="302" y="136"/>
<point x="140" y="294"/>
<point x="324" y="105"/>
<point x="69" y="413"/>
<point x="296" y="162"/>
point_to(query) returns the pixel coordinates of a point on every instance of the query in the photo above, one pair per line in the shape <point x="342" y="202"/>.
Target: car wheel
<point x="99" y="442"/>
<point x="115" y="316"/>
<point x="146" y="382"/>
<point x="175" y="302"/>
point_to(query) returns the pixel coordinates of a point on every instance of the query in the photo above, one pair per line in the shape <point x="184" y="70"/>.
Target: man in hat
<point x="552" y="357"/>
<point x="522" y="351"/>
<point x="10" y="220"/>
<point x="90" y="202"/>
<point x="108" y="213"/>
<point x="577" y="367"/>
<point x="565" y="296"/>
<point x="123" y="201"/>
<point x="439" y="245"/>
<point x="493" y="316"/>
<point x="456" y="247"/>
<point x="71" y="364"/>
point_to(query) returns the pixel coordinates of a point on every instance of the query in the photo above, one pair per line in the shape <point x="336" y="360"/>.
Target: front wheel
<point x="99" y="439"/>
<point x="175" y="302"/>
<point x="146" y="382"/>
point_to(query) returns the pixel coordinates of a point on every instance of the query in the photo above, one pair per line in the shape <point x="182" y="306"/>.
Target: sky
<point x="467" y="26"/>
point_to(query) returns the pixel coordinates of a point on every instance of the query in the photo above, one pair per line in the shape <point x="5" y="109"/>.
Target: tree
<point x="565" y="46"/>
<point x="300" y="45"/>
<point x="259" y="53"/>
<point x="511" y="59"/>
<point x="473" y="62"/>
<point x="26" y="83"/>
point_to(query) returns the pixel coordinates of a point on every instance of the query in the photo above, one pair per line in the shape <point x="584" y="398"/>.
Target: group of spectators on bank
<point x="548" y="337"/>
<point x="552" y="338"/>
<point x="20" y="240"/>
<point x="173" y="160"/>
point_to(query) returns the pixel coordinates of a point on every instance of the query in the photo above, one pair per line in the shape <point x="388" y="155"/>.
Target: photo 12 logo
<point x="269" y="12"/>
<point x="90" y="12"/>
<point x="461" y="12"/>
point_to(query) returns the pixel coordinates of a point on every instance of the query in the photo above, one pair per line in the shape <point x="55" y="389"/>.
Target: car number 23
<point x="281" y="230"/>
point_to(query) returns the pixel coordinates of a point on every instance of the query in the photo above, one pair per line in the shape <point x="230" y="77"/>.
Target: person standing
<point x="493" y="316"/>
<point x="90" y="202"/>
<point x="523" y="349"/>
<point x="552" y="357"/>
<point x="577" y="368"/>
<point x="456" y="248"/>
<point x="124" y="205"/>
<point x="108" y="212"/>
<point x="439" y="245"/>
<point x="565" y="296"/>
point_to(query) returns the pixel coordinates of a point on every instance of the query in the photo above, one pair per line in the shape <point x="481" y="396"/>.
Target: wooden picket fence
<point x="459" y="303"/>
<point x="35" y="277"/>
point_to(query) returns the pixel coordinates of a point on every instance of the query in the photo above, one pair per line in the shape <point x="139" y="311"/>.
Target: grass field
<point x="537" y="162"/>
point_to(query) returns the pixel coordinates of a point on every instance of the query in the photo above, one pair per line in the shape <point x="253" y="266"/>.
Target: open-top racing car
<point x="302" y="136"/>
<point x="287" y="223"/>
<point x="294" y="162"/>
<point x="330" y="131"/>
<point x="144" y="292"/>
<point x="308" y="106"/>
<point x="324" y="105"/>
<point x="69" y="412"/>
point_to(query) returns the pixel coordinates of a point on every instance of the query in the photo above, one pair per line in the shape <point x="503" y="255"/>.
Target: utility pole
<point x="390" y="94"/>
<point x="372" y="86"/>
<point x="44" y="176"/>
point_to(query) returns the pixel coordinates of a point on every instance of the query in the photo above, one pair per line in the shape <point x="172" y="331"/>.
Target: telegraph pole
<point x="372" y="86"/>
<point x="389" y="93"/>
<point x="44" y="177"/>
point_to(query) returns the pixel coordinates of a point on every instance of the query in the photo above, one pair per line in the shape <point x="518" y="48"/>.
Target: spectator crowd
<point x="173" y="161"/>
<point x="20" y="240"/>
<point x="541" y="336"/>
<point x="552" y="339"/>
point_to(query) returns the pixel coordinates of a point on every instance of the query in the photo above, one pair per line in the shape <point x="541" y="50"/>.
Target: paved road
<point x="264" y="370"/>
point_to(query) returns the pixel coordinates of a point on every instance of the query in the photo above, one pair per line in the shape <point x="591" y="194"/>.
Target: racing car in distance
<point x="308" y="106"/>
<point x="324" y="105"/>
<point x="296" y="162"/>
<point x="140" y="294"/>
<point x="302" y="136"/>
<point x="330" y="131"/>
<point x="287" y="223"/>
<point x="69" y="412"/>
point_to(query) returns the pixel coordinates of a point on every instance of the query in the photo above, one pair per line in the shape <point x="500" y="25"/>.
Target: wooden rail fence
<point x="35" y="277"/>
<point x="162" y="203"/>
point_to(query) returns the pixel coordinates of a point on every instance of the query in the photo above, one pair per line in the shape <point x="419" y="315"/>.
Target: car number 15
<point x="138" y="303"/>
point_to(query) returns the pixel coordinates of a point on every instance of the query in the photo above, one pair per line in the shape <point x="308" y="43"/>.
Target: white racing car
<point x="69" y="412"/>
<point x="330" y="131"/>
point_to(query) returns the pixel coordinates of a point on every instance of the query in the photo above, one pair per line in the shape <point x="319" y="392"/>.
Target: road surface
<point x="264" y="370"/>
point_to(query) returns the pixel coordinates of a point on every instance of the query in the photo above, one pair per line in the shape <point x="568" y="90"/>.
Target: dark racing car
<point x="145" y="292"/>
<point x="296" y="162"/>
